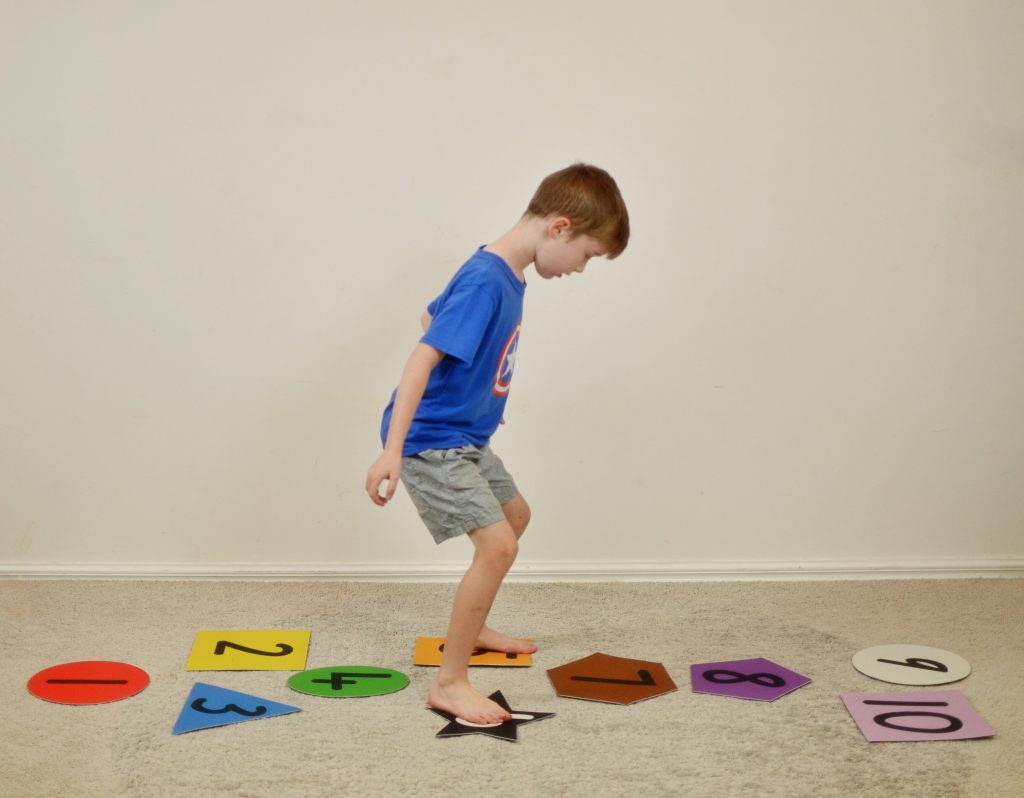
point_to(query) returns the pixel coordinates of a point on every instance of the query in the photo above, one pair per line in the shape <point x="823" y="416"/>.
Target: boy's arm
<point x="410" y="391"/>
<point x="425" y="320"/>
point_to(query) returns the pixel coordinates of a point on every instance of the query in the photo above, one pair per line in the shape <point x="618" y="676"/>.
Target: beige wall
<point x="219" y="223"/>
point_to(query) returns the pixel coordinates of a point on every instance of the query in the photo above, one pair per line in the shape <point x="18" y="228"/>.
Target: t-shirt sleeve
<point x="459" y="320"/>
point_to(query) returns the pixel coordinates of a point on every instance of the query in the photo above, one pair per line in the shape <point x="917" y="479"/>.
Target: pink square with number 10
<point x="909" y="717"/>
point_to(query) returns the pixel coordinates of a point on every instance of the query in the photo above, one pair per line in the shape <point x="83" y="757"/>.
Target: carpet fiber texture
<point x="804" y="744"/>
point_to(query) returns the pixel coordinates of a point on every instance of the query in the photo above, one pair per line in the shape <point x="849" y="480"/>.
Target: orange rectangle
<point x="430" y="651"/>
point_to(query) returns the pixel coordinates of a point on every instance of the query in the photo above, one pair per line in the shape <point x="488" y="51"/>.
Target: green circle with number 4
<point x="348" y="681"/>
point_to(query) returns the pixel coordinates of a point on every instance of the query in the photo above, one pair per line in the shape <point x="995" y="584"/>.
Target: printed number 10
<point x="955" y="724"/>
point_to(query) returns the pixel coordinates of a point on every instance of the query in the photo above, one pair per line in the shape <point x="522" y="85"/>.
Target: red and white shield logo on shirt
<point x="507" y="364"/>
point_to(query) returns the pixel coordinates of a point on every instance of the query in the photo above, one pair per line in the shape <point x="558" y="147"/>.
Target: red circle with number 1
<point x="93" y="682"/>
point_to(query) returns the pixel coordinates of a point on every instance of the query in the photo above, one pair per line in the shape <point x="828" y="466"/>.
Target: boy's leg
<point x="517" y="511"/>
<point x="496" y="547"/>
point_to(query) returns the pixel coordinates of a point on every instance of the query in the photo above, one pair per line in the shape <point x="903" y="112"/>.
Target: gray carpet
<point x="804" y="744"/>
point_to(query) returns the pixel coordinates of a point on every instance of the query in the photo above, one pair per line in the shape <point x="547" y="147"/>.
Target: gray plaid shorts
<point x="457" y="490"/>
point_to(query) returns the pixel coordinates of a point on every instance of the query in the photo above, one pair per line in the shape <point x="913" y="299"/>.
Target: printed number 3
<point x="199" y="705"/>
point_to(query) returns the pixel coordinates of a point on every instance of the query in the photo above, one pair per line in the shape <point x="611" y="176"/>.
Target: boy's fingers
<point x="375" y="481"/>
<point x="373" y="489"/>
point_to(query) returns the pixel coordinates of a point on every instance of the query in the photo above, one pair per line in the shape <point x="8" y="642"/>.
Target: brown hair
<point x="590" y="199"/>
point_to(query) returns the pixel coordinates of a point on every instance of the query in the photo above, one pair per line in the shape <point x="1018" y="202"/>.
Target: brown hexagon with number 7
<point x="613" y="680"/>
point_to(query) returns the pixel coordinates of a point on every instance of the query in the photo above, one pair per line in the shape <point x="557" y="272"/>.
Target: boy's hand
<point x="388" y="467"/>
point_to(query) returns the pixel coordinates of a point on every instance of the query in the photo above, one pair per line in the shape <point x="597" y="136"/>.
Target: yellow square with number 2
<point x="250" y="650"/>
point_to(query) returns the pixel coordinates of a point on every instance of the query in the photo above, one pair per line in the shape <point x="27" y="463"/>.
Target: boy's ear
<point x="559" y="225"/>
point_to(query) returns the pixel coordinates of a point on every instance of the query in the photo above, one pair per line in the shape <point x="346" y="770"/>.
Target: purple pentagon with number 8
<point x="756" y="679"/>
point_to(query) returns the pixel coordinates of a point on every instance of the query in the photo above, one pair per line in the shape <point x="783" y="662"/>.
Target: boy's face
<point x="561" y="253"/>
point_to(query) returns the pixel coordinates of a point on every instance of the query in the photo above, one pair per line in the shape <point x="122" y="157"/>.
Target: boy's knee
<point x="498" y="545"/>
<point x="523" y="521"/>
<point x="507" y="551"/>
<point x="517" y="512"/>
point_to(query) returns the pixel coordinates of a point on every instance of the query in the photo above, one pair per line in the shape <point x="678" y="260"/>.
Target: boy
<point x="451" y="398"/>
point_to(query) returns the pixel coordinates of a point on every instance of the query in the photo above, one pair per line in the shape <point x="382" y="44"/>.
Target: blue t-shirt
<point x="475" y="322"/>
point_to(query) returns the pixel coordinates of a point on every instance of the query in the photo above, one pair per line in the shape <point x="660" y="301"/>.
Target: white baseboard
<point x="738" y="570"/>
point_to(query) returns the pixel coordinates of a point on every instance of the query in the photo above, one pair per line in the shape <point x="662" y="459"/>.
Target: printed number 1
<point x="225" y="644"/>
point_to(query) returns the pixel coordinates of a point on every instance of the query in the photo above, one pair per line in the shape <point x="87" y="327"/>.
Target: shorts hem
<point x="499" y="494"/>
<point x="464" y="529"/>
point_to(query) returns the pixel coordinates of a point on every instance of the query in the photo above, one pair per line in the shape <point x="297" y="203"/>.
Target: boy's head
<point x="588" y="197"/>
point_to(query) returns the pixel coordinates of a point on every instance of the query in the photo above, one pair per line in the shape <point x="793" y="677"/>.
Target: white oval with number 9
<point x="904" y="663"/>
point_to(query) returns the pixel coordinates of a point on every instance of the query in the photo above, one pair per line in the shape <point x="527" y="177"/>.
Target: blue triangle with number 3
<point x="208" y="706"/>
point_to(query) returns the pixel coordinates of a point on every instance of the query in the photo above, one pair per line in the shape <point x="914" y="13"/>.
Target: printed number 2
<point x="955" y="724"/>
<point x="225" y="644"/>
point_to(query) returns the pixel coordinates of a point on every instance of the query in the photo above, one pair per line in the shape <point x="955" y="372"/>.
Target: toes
<point x="494" y="716"/>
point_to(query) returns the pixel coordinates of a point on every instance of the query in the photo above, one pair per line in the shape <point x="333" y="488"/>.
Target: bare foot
<point x="496" y="641"/>
<point x="463" y="701"/>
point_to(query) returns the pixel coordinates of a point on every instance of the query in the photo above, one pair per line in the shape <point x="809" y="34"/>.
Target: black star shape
<point x="503" y="731"/>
